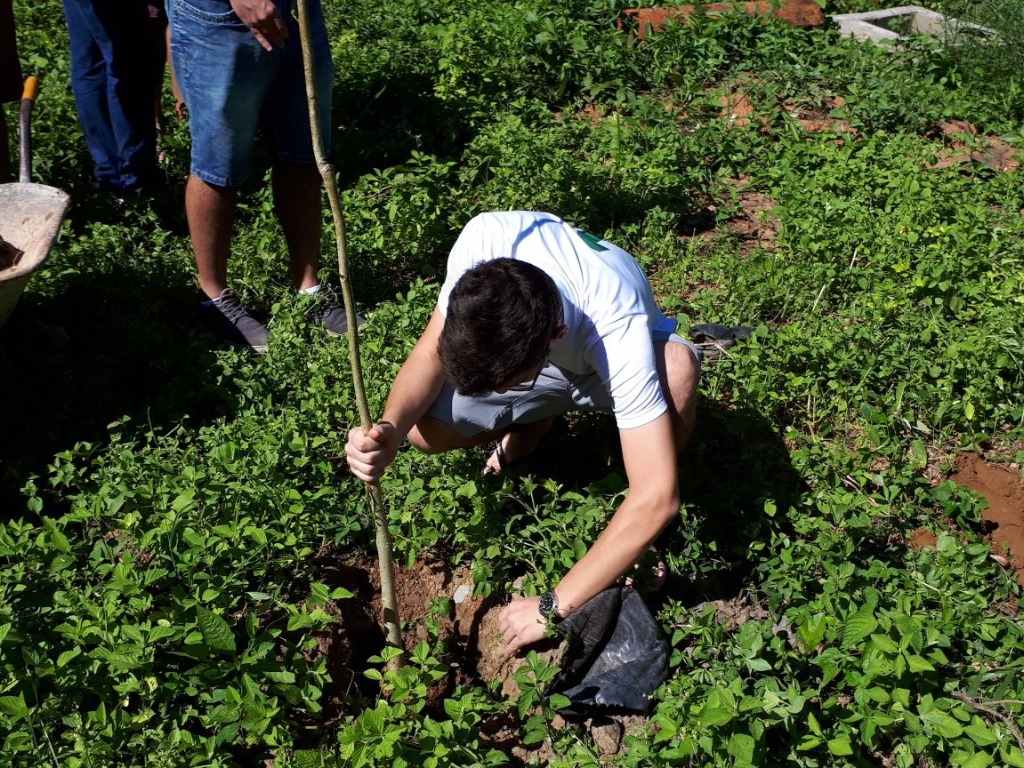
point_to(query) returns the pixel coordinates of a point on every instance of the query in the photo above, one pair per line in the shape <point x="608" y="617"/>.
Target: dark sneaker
<point x="331" y="314"/>
<point x="228" y="318"/>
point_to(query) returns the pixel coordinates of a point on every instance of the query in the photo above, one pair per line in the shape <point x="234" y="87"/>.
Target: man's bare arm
<point x="414" y="390"/>
<point x="651" y="503"/>
<point x="263" y="20"/>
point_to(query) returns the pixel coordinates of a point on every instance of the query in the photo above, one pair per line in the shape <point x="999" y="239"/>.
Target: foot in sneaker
<point x="228" y="318"/>
<point x="329" y="312"/>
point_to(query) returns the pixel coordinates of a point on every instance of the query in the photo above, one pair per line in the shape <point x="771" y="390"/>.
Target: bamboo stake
<point x="389" y="600"/>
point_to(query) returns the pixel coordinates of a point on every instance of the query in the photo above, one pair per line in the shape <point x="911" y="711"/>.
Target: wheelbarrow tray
<point x="30" y="216"/>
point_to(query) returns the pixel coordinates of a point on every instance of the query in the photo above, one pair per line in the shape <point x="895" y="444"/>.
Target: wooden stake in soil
<point x="389" y="600"/>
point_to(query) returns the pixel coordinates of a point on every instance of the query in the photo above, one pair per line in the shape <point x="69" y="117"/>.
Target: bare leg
<point x="679" y="376"/>
<point x="211" y="217"/>
<point x="297" y="202"/>
<point x="677" y="371"/>
<point x="434" y="436"/>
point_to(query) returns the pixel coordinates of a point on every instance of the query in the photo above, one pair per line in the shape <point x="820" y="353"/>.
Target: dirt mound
<point x="964" y="146"/>
<point x="799" y="13"/>
<point x="1003" y="488"/>
<point x="436" y="604"/>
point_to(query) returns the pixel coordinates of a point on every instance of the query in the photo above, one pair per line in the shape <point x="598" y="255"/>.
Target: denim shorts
<point x="555" y="392"/>
<point x="232" y="86"/>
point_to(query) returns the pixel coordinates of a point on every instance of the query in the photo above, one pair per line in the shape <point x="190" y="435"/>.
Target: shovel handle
<point x="31" y="90"/>
<point x="28" y="98"/>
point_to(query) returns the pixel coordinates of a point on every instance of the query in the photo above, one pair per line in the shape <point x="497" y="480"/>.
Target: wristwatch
<point x="548" y="606"/>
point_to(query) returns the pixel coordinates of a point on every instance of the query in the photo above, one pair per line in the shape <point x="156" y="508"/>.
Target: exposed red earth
<point x="799" y="13"/>
<point x="1003" y="488"/>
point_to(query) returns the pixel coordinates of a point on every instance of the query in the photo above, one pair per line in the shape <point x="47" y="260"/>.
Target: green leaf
<point x="840" y="746"/>
<point x="942" y="724"/>
<point x="858" y="627"/>
<point x="282" y="676"/>
<point x="712" y="716"/>
<point x="808" y="742"/>
<point x="741" y="746"/>
<point x="57" y="538"/>
<point x="1013" y="756"/>
<point x="183" y="500"/>
<point x="980" y="733"/>
<point x="536" y="730"/>
<point x="319" y="593"/>
<point x="977" y="760"/>
<point x="67" y="656"/>
<point x="885" y="643"/>
<point x="216" y="632"/>
<point x="917" y="663"/>
<point x="812" y="631"/>
<point x="812" y="723"/>
<point x="300" y="621"/>
<point x="14" y="706"/>
<point x="258" y="535"/>
<point x="309" y="758"/>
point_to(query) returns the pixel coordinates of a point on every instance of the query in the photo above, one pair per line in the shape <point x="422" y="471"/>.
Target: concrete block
<point x="901" y="22"/>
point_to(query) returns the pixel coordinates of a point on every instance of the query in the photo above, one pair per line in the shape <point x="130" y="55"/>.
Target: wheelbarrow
<point x="30" y="216"/>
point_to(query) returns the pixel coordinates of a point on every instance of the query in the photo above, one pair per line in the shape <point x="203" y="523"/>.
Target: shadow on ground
<point x="97" y="351"/>
<point x="736" y="463"/>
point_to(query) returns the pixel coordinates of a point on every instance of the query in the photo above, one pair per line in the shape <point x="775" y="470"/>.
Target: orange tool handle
<point x="31" y="90"/>
<point x="28" y="98"/>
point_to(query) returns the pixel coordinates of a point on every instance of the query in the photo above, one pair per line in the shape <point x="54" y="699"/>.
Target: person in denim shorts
<point x="239" y="66"/>
<point x="537" y="318"/>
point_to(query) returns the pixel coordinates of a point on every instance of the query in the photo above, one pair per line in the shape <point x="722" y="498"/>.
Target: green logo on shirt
<point x="592" y="240"/>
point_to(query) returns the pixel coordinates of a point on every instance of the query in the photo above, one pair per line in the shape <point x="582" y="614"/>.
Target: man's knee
<point x="680" y="374"/>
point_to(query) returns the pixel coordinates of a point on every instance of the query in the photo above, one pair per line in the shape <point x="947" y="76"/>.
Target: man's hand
<point x="263" y="20"/>
<point x="370" y="453"/>
<point x="521" y="624"/>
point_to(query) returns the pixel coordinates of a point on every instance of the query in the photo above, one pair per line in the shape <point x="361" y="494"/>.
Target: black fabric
<point x="614" y="658"/>
<point x="709" y="332"/>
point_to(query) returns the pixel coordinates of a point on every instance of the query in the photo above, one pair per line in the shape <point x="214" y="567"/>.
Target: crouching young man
<point x="536" y="318"/>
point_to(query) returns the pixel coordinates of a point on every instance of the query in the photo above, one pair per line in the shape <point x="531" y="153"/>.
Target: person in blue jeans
<point x="112" y="79"/>
<point x="239" y="66"/>
<point x="10" y="83"/>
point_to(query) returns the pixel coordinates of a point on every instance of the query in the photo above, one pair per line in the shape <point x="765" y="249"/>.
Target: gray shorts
<point x="556" y="392"/>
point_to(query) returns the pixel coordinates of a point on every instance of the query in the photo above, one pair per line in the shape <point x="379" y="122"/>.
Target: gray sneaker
<point x="330" y="313"/>
<point x="228" y="318"/>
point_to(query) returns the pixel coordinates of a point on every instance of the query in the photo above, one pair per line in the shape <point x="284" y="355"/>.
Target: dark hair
<point x="502" y="315"/>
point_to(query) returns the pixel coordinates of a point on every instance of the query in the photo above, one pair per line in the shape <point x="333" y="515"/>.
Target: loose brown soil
<point x="1003" y="488"/>
<point x="468" y="631"/>
<point x="799" y="13"/>
<point x="468" y="625"/>
<point x="964" y="146"/>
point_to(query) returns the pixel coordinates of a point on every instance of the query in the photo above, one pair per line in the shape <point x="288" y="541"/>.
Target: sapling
<point x="389" y="601"/>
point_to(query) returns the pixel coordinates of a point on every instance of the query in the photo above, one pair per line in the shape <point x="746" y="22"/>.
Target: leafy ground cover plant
<point x="175" y="516"/>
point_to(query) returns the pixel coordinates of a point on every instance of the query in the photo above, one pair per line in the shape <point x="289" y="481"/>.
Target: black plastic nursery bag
<point x="615" y="657"/>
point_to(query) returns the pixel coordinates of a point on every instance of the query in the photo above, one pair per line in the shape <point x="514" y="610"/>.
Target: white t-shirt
<point x="607" y="302"/>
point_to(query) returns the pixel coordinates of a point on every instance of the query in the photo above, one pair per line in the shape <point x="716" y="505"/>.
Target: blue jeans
<point x="232" y="86"/>
<point x="114" y="80"/>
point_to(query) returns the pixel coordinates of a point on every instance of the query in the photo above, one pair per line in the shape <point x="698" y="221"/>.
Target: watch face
<point x="547" y="604"/>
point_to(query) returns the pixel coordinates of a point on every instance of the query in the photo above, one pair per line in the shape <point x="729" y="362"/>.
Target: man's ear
<point x="560" y="332"/>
